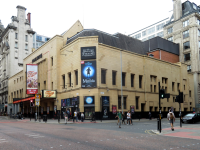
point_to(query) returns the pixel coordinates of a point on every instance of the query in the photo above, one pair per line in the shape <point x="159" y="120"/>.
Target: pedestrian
<point x="123" y="118"/>
<point x="171" y="118"/>
<point x="75" y="116"/>
<point x="139" y="116"/>
<point x="149" y="115"/>
<point x="120" y="118"/>
<point x="117" y="118"/>
<point x="128" y="118"/>
<point x="82" y="117"/>
<point x="93" y="117"/>
<point x="79" y="116"/>
<point x="68" y="114"/>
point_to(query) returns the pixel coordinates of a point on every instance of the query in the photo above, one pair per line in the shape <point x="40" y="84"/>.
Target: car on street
<point x="191" y="118"/>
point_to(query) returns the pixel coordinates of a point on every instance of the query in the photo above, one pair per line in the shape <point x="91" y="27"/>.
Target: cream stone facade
<point x="63" y="61"/>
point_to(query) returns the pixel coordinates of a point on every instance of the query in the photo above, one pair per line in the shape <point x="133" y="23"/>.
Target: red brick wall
<point x="166" y="56"/>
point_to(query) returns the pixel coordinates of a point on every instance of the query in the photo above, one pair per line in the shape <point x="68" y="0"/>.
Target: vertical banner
<point x="31" y="79"/>
<point x="114" y="109"/>
<point x="88" y="74"/>
<point x="47" y="109"/>
<point x="132" y="109"/>
<point x="42" y="110"/>
<point x="55" y="108"/>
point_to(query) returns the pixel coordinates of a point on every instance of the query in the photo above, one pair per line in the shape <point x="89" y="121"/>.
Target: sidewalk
<point x="191" y="132"/>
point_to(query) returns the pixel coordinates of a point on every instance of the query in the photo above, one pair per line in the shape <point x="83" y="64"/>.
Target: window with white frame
<point x="169" y="30"/>
<point x="26" y="46"/>
<point x="160" y="26"/>
<point x="144" y="33"/>
<point x="26" y="38"/>
<point x="151" y="30"/>
<point x="16" y="36"/>
<point x="16" y="44"/>
<point x="186" y="23"/>
<point x="186" y="34"/>
<point x="137" y="36"/>
<point x="198" y="21"/>
<point x="170" y="39"/>
<point x="189" y="68"/>
<point x="150" y="37"/>
<point x="186" y="45"/>
<point x="160" y="34"/>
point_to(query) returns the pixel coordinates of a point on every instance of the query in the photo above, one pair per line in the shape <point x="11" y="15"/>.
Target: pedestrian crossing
<point x="33" y="135"/>
<point x="2" y="140"/>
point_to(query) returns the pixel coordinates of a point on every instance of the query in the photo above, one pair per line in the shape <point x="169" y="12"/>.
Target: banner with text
<point x="32" y="79"/>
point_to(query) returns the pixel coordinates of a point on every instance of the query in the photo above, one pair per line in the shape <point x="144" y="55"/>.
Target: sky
<point x="52" y="17"/>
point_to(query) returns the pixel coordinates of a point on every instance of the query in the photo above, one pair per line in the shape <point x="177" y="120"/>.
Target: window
<point x="137" y="102"/>
<point x="16" y="45"/>
<point x="199" y="44"/>
<point x="26" y="46"/>
<point x="123" y="78"/>
<point x="160" y="34"/>
<point x="198" y="22"/>
<point x="63" y="80"/>
<point x="26" y="38"/>
<point x="186" y="23"/>
<point x="169" y="30"/>
<point x="39" y="38"/>
<point x="76" y="76"/>
<point x="165" y="89"/>
<point x="137" y="36"/>
<point x="44" y="84"/>
<point x="151" y="55"/>
<point x="186" y="57"/>
<point x="140" y="81"/>
<point x="151" y="30"/>
<point x="186" y="34"/>
<point x="198" y="32"/>
<point x="103" y="76"/>
<point x="186" y="45"/>
<point x="70" y="79"/>
<point x="16" y="36"/>
<point x="170" y="39"/>
<point x="160" y="26"/>
<point x="114" y="77"/>
<point x="144" y="33"/>
<point x="132" y="80"/>
<point x="154" y="88"/>
<point x="46" y="39"/>
<point x="178" y="84"/>
<point x="120" y="104"/>
<point x="190" y="93"/>
<point x="189" y="68"/>
<point x="144" y="39"/>
<point x="52" y="61"/>
<point x="173" y="83"/>
<point x="184" y="87"/>
<point x="150" y="37"/>
<point x="173" y="99"/>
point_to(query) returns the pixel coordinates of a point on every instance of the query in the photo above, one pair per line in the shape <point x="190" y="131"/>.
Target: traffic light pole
<point x="159" y="109"/>
<point x="180" y="114"/>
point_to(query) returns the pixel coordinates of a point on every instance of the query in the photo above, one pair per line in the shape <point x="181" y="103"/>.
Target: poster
<point x="48" y="94"/>
<point x="47" y="109"/>
<point x="105" y="100"/>
<point x="55" y="108"/>
<point x="132" y="109"/>
<point x="105" y="111"/>
<point x="42" y="110"/>
<point x="63" y="103"/>
<point x="88" y="74"/>
<point x="74" y="101"/>
<point x="32" y="77"/>
<point x="114" y="109"/>
<point x="88" y="53"/>
<point x="68" y="102"/>
<point x="88" y="100"/>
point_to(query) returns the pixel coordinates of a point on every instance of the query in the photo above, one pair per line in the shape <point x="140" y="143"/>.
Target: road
<point x="25" y="135"/>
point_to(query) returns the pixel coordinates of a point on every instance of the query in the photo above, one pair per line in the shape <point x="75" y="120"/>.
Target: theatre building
<point x="89" y="70"/>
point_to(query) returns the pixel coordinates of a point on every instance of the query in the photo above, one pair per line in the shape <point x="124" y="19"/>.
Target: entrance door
<point x="88" y="112"/>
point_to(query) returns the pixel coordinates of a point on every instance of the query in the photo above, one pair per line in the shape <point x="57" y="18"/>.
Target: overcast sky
<point x="51" y="17"/>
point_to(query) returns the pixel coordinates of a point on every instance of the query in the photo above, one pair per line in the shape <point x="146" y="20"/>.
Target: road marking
<point x="86" y="141"/>
<point x="60" y="145"/>
<point x="69" y="144"/>
<point x="2" y="139"/>
<point x="51" y="147"/>
<point x="38" y="136"/>
<point x="177" y="147"/>
<point x="78" y="142"/>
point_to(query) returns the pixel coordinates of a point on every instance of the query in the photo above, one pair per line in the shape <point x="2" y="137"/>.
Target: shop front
<point x="89" y="106"/>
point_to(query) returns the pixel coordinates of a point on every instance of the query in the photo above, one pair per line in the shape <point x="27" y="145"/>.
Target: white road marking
<point x="177" y="147"/>
<point x="60" y="145"/>
<point x="86" y="141"/>
<point x="78" y="142"/>
<point x="2" y="139"/>
<point x="38" y="136"/>
<point x="51" y="147"/>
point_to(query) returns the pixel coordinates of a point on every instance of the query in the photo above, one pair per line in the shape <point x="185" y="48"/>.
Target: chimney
<point x="177" y="9"/>
<point x="29" y="18"/>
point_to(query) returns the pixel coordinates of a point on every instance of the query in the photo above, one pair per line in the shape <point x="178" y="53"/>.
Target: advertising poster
<point x="105" y="100"/>
<point x="74" y="100"/>
<point x="88" y="74"/>
<point x="88" y="53"/>
<point x="68" y="102"/>
<point x="32" y="77"/>
<point x="48" y="94"/>
<point x="42" y="110"/>
<point x="88" y="100"/>
<point x="55" y="108"/>
<point x="132" y="109"/>
<point x="114" y="109"/>
<point x="105" y="111"/>
<point x="47" y="109"/>
<point x="63" y="103"/>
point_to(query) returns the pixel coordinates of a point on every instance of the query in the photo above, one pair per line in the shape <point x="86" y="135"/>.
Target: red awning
<point x="23" y="100"/>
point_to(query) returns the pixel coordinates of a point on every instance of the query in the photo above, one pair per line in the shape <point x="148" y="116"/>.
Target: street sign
<point x="37" y="99"/>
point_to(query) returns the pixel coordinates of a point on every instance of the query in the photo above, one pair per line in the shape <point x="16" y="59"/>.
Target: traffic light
<point x="180" y="97"/>
<point x="31" y="103"/>
<point x="162" y="93"/>
<point x="177" y="99"/>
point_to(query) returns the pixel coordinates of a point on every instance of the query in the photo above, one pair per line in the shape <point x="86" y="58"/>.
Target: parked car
<point x="191" y="118"/>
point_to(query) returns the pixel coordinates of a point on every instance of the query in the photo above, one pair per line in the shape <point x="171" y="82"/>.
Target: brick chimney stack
<point x="29" y="18"/>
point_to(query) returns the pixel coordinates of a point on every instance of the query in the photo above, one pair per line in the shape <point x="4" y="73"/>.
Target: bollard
<point x="158" y="122"/>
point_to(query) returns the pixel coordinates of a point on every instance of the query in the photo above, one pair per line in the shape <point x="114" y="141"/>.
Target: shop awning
<point x="23" y="100"/>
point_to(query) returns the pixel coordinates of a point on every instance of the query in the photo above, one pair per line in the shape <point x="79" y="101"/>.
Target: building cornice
<point x="10" y="26"/>
<point x="31" y="32"/>
<point x="21" y="7"/>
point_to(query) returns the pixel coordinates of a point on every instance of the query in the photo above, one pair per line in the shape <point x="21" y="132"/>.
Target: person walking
<point x="149" y="115"/>
<point x="82" y="117"/>
<point x="120" y="118"/>
<point x="123" y="118"/>
<point x="171" y="118"/>
<point x="128" y="118"/>
<point x="75" y="116"/>
<point x="117" y="118"/>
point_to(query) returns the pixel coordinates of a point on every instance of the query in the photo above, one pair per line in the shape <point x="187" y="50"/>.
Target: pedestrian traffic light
<point x="162" y="93"/>
<point x="177" y="99"/>
<point x="31" y="103"/>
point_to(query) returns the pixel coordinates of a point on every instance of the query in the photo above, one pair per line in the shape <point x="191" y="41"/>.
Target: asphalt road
<point x="25" y="135"/>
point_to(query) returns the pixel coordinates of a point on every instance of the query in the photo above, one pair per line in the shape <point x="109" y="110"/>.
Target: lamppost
<point x="122" y="104"/>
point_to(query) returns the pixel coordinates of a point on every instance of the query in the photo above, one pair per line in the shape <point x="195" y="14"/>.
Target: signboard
<point x="48" y="109"/>
<point x="88" y="74"/>
<point x="114" y="109"/>
<point x="55" y="108"/>
<point x="88" y="53"/>
<point x="88" y="100"/>
<point x="74" y="101"/>
<point x="105" y="100"/>
<point x="132" y="109"/>
<point x="31" y="79"/>
<point x="37" y="99"/>
<point x="48" y="94"/>
<point x="42" y="108"/>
